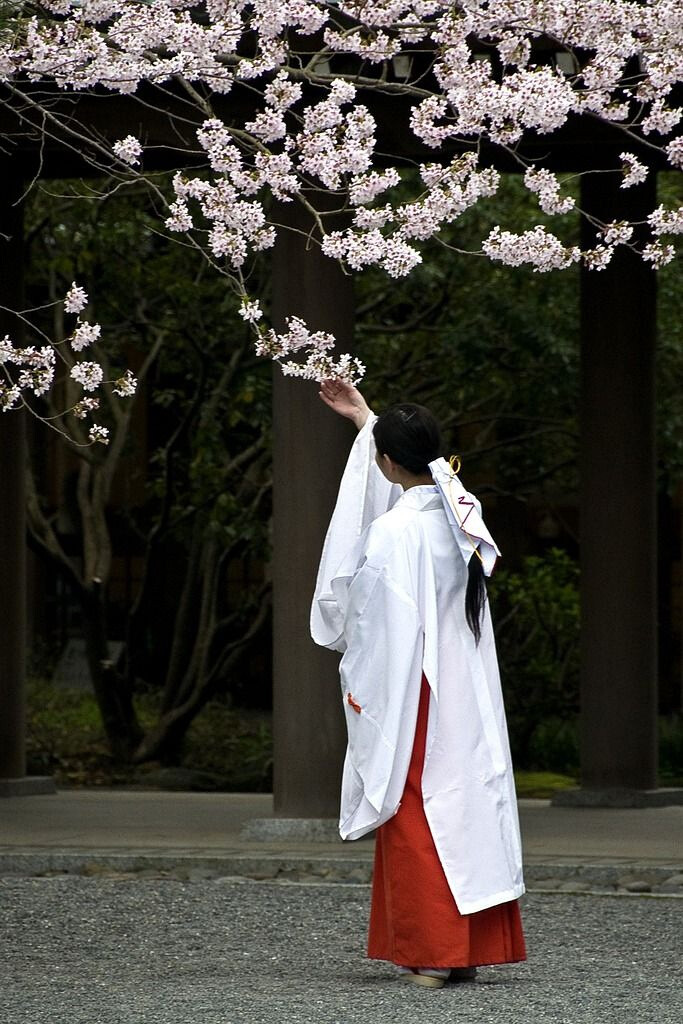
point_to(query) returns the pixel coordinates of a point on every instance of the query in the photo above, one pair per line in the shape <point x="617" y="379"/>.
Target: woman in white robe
<point x="428" y="760"/>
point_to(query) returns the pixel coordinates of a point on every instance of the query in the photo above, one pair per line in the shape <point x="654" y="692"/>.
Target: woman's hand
<point x="346" y="400"/>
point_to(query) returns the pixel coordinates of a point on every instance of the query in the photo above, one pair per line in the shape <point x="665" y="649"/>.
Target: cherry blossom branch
<point x="464" y="74"/>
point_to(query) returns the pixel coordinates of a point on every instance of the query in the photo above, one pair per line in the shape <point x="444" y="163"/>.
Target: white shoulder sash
<point x="464" y="515"/>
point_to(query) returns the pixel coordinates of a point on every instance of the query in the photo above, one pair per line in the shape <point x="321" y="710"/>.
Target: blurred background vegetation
<point x="185" y="605"/>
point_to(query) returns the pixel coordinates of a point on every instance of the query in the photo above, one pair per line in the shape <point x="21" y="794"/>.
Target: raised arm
<point x="346" y="400"/>
<point x="364" y="494"/>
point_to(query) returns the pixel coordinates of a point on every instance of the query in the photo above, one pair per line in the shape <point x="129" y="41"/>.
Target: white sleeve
<point x="380" y="673"/>
<point x="364" y="494"/>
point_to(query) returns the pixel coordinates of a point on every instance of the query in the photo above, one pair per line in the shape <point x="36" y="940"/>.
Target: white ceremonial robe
<point x="390" y="595"/>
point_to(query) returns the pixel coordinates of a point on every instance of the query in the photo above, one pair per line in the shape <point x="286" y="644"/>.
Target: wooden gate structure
<point x="617" y="468"/>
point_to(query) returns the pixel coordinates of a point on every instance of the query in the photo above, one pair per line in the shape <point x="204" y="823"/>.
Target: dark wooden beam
<point x="310" y="446"/>
<point x="12" y="502"/>
<point x="618" y="506"/>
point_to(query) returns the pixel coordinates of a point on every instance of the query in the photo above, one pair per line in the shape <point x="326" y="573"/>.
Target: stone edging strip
<point x="195" y="865"/>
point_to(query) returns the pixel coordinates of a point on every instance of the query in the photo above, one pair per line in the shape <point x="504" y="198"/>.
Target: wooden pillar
<point x="618" y="731"/>
<point x="12" y="504"/>
<point x="310" y="446"/>
<point x="13" y="778"/>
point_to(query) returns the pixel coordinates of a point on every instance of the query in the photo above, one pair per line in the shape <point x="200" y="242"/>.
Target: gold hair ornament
<point x="455" y="462"/>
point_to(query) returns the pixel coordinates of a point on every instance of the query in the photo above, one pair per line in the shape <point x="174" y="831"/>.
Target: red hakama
<point x="414" y="920"/>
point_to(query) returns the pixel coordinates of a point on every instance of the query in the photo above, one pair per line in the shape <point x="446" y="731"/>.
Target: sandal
<point x="428" y="977"/>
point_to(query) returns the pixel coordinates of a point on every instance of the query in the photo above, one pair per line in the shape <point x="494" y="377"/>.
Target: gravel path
<point x="79" y="950"/>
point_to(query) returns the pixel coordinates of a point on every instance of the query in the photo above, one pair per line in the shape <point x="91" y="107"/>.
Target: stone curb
<point x="194" y="866"/>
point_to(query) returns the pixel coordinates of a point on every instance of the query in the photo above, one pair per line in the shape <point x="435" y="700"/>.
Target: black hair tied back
<point x="409" y="434"/>
<point x="475" y="595"/>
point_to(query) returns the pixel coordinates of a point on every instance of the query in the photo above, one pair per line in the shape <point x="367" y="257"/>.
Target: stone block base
<point x="306" y="830"/>
<point x="28" y="785"/>
<point x="618" y="797"/>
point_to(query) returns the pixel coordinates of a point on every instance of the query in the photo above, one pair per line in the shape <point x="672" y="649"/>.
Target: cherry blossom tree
<point x="279" y="101"/>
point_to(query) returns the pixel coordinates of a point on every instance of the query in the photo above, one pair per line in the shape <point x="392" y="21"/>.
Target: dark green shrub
<point x="231" y="748"/>
<point x="671" y="749"/>
<point x="536" y="617"/>
<point x="554" y="746"/>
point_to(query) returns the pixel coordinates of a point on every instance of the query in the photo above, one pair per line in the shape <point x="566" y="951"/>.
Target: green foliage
<point x="541" y="785"/>
<point x="235" y="745"/>
<point x="671" y="750"/>
<point x="554" y="745"/>
<point x="536" y="616"/>
<point x="670" y="350"/>
<point x="65" y="738"/>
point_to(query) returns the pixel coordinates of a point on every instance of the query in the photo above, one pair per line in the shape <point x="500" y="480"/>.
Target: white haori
<point x="390" y="595"/>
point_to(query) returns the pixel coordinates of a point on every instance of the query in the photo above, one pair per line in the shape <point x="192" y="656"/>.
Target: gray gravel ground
<point x="79" y="950"/>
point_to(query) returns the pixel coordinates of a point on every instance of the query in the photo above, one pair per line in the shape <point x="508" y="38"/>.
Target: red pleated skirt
<point x="414" y="920"/>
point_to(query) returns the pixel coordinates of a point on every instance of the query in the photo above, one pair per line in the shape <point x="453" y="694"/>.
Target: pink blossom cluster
<point x="537" y="247"/>
<point x="658" y="253"/>
<point x="386" y="235"/>
<point x="633" y="170"/>
<point x="313" y="348"/>
<point x="499" y="73"/>
<point x="547" y="187"/>
<point x="129" y="150"/>
<point x="666" y="222"/>
<point x="236" y="225"/>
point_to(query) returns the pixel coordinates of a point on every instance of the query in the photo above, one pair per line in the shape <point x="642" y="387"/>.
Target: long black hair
<point x="475" y="595"/>
<point x="410" y="435"/>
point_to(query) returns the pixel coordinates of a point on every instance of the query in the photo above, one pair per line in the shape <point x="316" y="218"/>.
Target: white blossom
<point x="125" y="386"/>
<point x="6" y="350"/>
<point x="129" y="150"/>
<point x="296" y="140"/>
<point x="76" y="299"/>
<point x="547" y="187"/>
<point x="250" y="310"/>
<point x="666" y="222"/>
<point x="320" y="367"/>
<point x="89" y="375"/>
<point x="86" y="405"/>
<point x="538" y="247"/>
<point x="84" y="335"/>
<point x="10" y="396"/>
<point x="315" y="346"/>
<point x="598" y="258"/>
<point x="674" y="151"/>
<point x="281" y="93"/>
<point x="658" y="254"/>
<point x="98" y="434"/>
<point x="661" y="118"/>
<point x="617" y="233"/>
<point x="634" y="172"/>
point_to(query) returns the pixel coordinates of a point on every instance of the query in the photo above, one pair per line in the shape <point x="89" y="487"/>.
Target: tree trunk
<point x="114" y="697"/>
<point x="184" y="624"/>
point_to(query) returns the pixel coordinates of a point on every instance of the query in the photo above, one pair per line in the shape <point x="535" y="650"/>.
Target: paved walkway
<point x="132" y="830"/>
